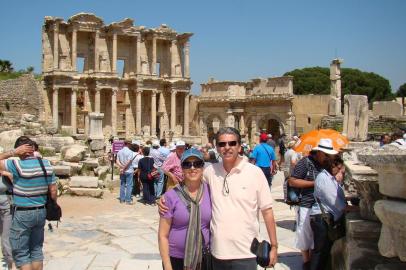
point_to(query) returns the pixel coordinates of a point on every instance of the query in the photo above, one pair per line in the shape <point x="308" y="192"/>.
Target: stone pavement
<point x="126" y="238"/>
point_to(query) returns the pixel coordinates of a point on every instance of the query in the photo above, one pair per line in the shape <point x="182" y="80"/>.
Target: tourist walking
<point x="328" y="209"/>
<point x="31" y="188"/>
<point x="147" y="176"/>
<point x="263" y="156"/>
<point x="290" y="158"/>
<point x="184" y="230"/>
<point x="172" y="165"/>
<point x="238" y="190"/>
<point x="124" y="159"/>
<point x="302" y="178"/>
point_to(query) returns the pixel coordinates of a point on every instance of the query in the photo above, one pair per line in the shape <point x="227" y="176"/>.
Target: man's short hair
<point x="23" y="140"/>
<point x="162" y="142"/>
<point x="146" y="151"/>
<point x="228" y="130"/>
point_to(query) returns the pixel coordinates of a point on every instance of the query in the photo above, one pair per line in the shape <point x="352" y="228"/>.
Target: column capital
<point x="56" y="26"/>
<point x="154" y="92"/>
<point x="114" y="90"/>
<point x="139" y="90"/>
<point x="174" y="92"/>
<point x="75" y="89"/>
<point x="97" y="89"/>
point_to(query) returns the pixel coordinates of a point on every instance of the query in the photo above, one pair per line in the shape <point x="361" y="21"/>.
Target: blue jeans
<point x="27" y="236"/>
<point x="320" y="258"/>
<point x="126" y="187"/>
<point x="268" y="175"/>
<point x="159" y="183"/>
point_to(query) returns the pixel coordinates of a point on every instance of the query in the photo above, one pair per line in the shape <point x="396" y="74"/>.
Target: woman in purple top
<point x="184" y="230"/>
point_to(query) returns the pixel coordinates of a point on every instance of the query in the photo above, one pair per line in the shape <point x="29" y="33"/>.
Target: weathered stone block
<point x="387" y="108"/>
<point x="87" y="192"/>
<point x="8" y="138"/>
<point x="390" y="163"/>
<point x="97" y="145"/>
<point x="73" y="153"/>
<point x="47" y="151"/>
<point x="54" y="141"/>
<point x="91" y="163"/>
<point x="392" y="242"/>
<point x="74" y="167"/>
<point x="61" y="170"/>
<point x="28" y="117"/>
<point x="356" y="117"/>
<point x="83" y="181"/>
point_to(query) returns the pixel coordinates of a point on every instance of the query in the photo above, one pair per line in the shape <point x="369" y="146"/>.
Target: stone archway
<point x="214" y="122"/>
<point x="271" y="124"/>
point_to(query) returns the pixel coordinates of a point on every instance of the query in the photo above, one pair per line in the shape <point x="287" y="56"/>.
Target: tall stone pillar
<point x="139" y="54"/>
<point x="187" y="60"/>
<point x="174" y="53"/>
<point x="56" y="45"/>
<point x="173" y="110"/>
<point x="202" y="128"/>
<point x="254" y="129"/>
<point x="74" y="48"/>
<point x="335" y="88"/>
<point x="153" y="113"/>
<point x="186" y="116"/>
<point x="55" y="107"/>
<point x="114" y="111"/>
<point x="242" y="124"/>
<point x="97" y="100"/>
<point x="153" y="55"/>
<point x="230" y="121"/>
<point x="138" y="112"/>
<point x="88" y="109"/>
<point x="163" y="114"/>
<point x="73" y="109"/>
<point x="291" y="124"/>
<point x="114" y="64"/>
<point x="96" y="52"/>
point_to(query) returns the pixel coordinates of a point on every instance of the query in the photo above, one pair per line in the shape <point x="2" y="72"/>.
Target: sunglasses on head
<point x="195" y="164"/>
<point x="230" y="143"/>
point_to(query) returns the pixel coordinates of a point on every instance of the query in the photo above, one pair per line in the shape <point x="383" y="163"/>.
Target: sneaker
<point x="129" y="203"/>
<point x="137" y="196"/>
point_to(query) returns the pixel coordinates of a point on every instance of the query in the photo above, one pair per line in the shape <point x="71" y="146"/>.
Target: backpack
<point x="291" y="195"/>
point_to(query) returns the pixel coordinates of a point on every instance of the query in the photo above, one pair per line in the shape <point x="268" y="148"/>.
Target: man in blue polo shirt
<point x="31" y="188"/>
<point x="263" y="156"/>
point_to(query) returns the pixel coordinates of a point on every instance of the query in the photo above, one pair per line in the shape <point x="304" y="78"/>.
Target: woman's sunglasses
<point x="230" y="143"/>
<point x="195" y="164"/>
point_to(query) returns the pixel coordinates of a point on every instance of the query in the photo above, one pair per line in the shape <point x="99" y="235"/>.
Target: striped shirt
<point x="30" y="187"/>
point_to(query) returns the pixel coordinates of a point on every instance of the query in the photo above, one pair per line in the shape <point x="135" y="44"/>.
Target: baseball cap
<point x="263" y="137"/>
<point x="137" y="142"/>
<point x="180" y="143"/>
<point x="155" y="143"/>
<point x="192" y="152"/>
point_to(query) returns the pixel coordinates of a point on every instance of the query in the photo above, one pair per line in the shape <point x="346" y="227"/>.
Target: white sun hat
<point x="325" y="146"/>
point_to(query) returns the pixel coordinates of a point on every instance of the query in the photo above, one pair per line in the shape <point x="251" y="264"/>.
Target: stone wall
<point x="376" y="125"/>
<point x="20" y="96"/>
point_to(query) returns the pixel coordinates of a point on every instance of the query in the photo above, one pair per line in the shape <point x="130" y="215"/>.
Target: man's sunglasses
<point x="230" y="143"/>
<point x="195" y="164"/>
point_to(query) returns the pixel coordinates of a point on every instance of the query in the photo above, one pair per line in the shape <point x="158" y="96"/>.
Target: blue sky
<point x="238" y="40"/>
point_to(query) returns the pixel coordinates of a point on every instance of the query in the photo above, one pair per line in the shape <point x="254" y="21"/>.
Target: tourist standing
<point x="172" y="165"/>
<point x="184" y="230"/>
<point x="138" y="156"/>
<point x="124" y="159"/>
<point x="302" y="177"/>
<point x="291" y="158"/>
<point x="159" y="158"/>
<point x="147" y="175"/>
<point x="263" y="156"/>
<point x="31" y="188"/>
<point x="330" y="198"/>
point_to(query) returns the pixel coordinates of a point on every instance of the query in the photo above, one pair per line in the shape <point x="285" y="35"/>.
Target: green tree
<point x="316" y="80"/>
<point x="30" y="69"/>
<point x="401" y="91"/>
<point x="6" y="66"/>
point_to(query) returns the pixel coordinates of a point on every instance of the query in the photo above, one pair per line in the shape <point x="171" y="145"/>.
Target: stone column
<point x="335" y="88"/>
<point x="242" y="124"/>
<point x="139" y="54"/>
<point x="56" y="45"/>
<point x="187" y="61"/>
<point x="97" y="100"/>
<point x="55" y="107"/>
<point x="174" y="50"/>
<point x="230" y="121"/>
<point x="96" y="53"/>
<point x="186" y="116"/>
<point x="88" y="109"/>
<point x="254" y="129"/>
<point x="114" y="64"/>
<point x="138" y="111"/>
<point x="73" y="109"/>
<point x="153" y="113"/>
<point x="74" y="46"/>
<point x="173" y="110"/>
<point x="114" y="111"/>
<point x="153" y="55"/>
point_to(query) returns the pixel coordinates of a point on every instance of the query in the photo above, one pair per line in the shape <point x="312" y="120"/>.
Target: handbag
<point x="54" y="211"/>
<point x="207" y="263"/>
<point x="335" y="229"/>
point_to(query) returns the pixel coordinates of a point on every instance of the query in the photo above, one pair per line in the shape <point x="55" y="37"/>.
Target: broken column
<point x="355" y="125"/>
<point x="334" y="108"/>
<point x="96" y="134"/>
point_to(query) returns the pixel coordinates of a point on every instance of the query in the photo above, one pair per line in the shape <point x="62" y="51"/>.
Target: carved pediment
<point x="126" y="23"/>
<point x="86" y="18"/>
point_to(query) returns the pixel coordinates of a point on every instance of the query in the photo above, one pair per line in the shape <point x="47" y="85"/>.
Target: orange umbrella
<point x="310" y="140"/>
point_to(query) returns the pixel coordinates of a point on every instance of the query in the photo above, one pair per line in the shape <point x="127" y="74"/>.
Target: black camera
<point x="261" y="250"/>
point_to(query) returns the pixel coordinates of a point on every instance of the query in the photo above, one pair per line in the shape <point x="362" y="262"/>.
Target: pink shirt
<point x="172" y="165"/>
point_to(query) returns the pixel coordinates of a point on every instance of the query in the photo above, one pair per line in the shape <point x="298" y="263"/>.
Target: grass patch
<point x="10" y="75"/>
